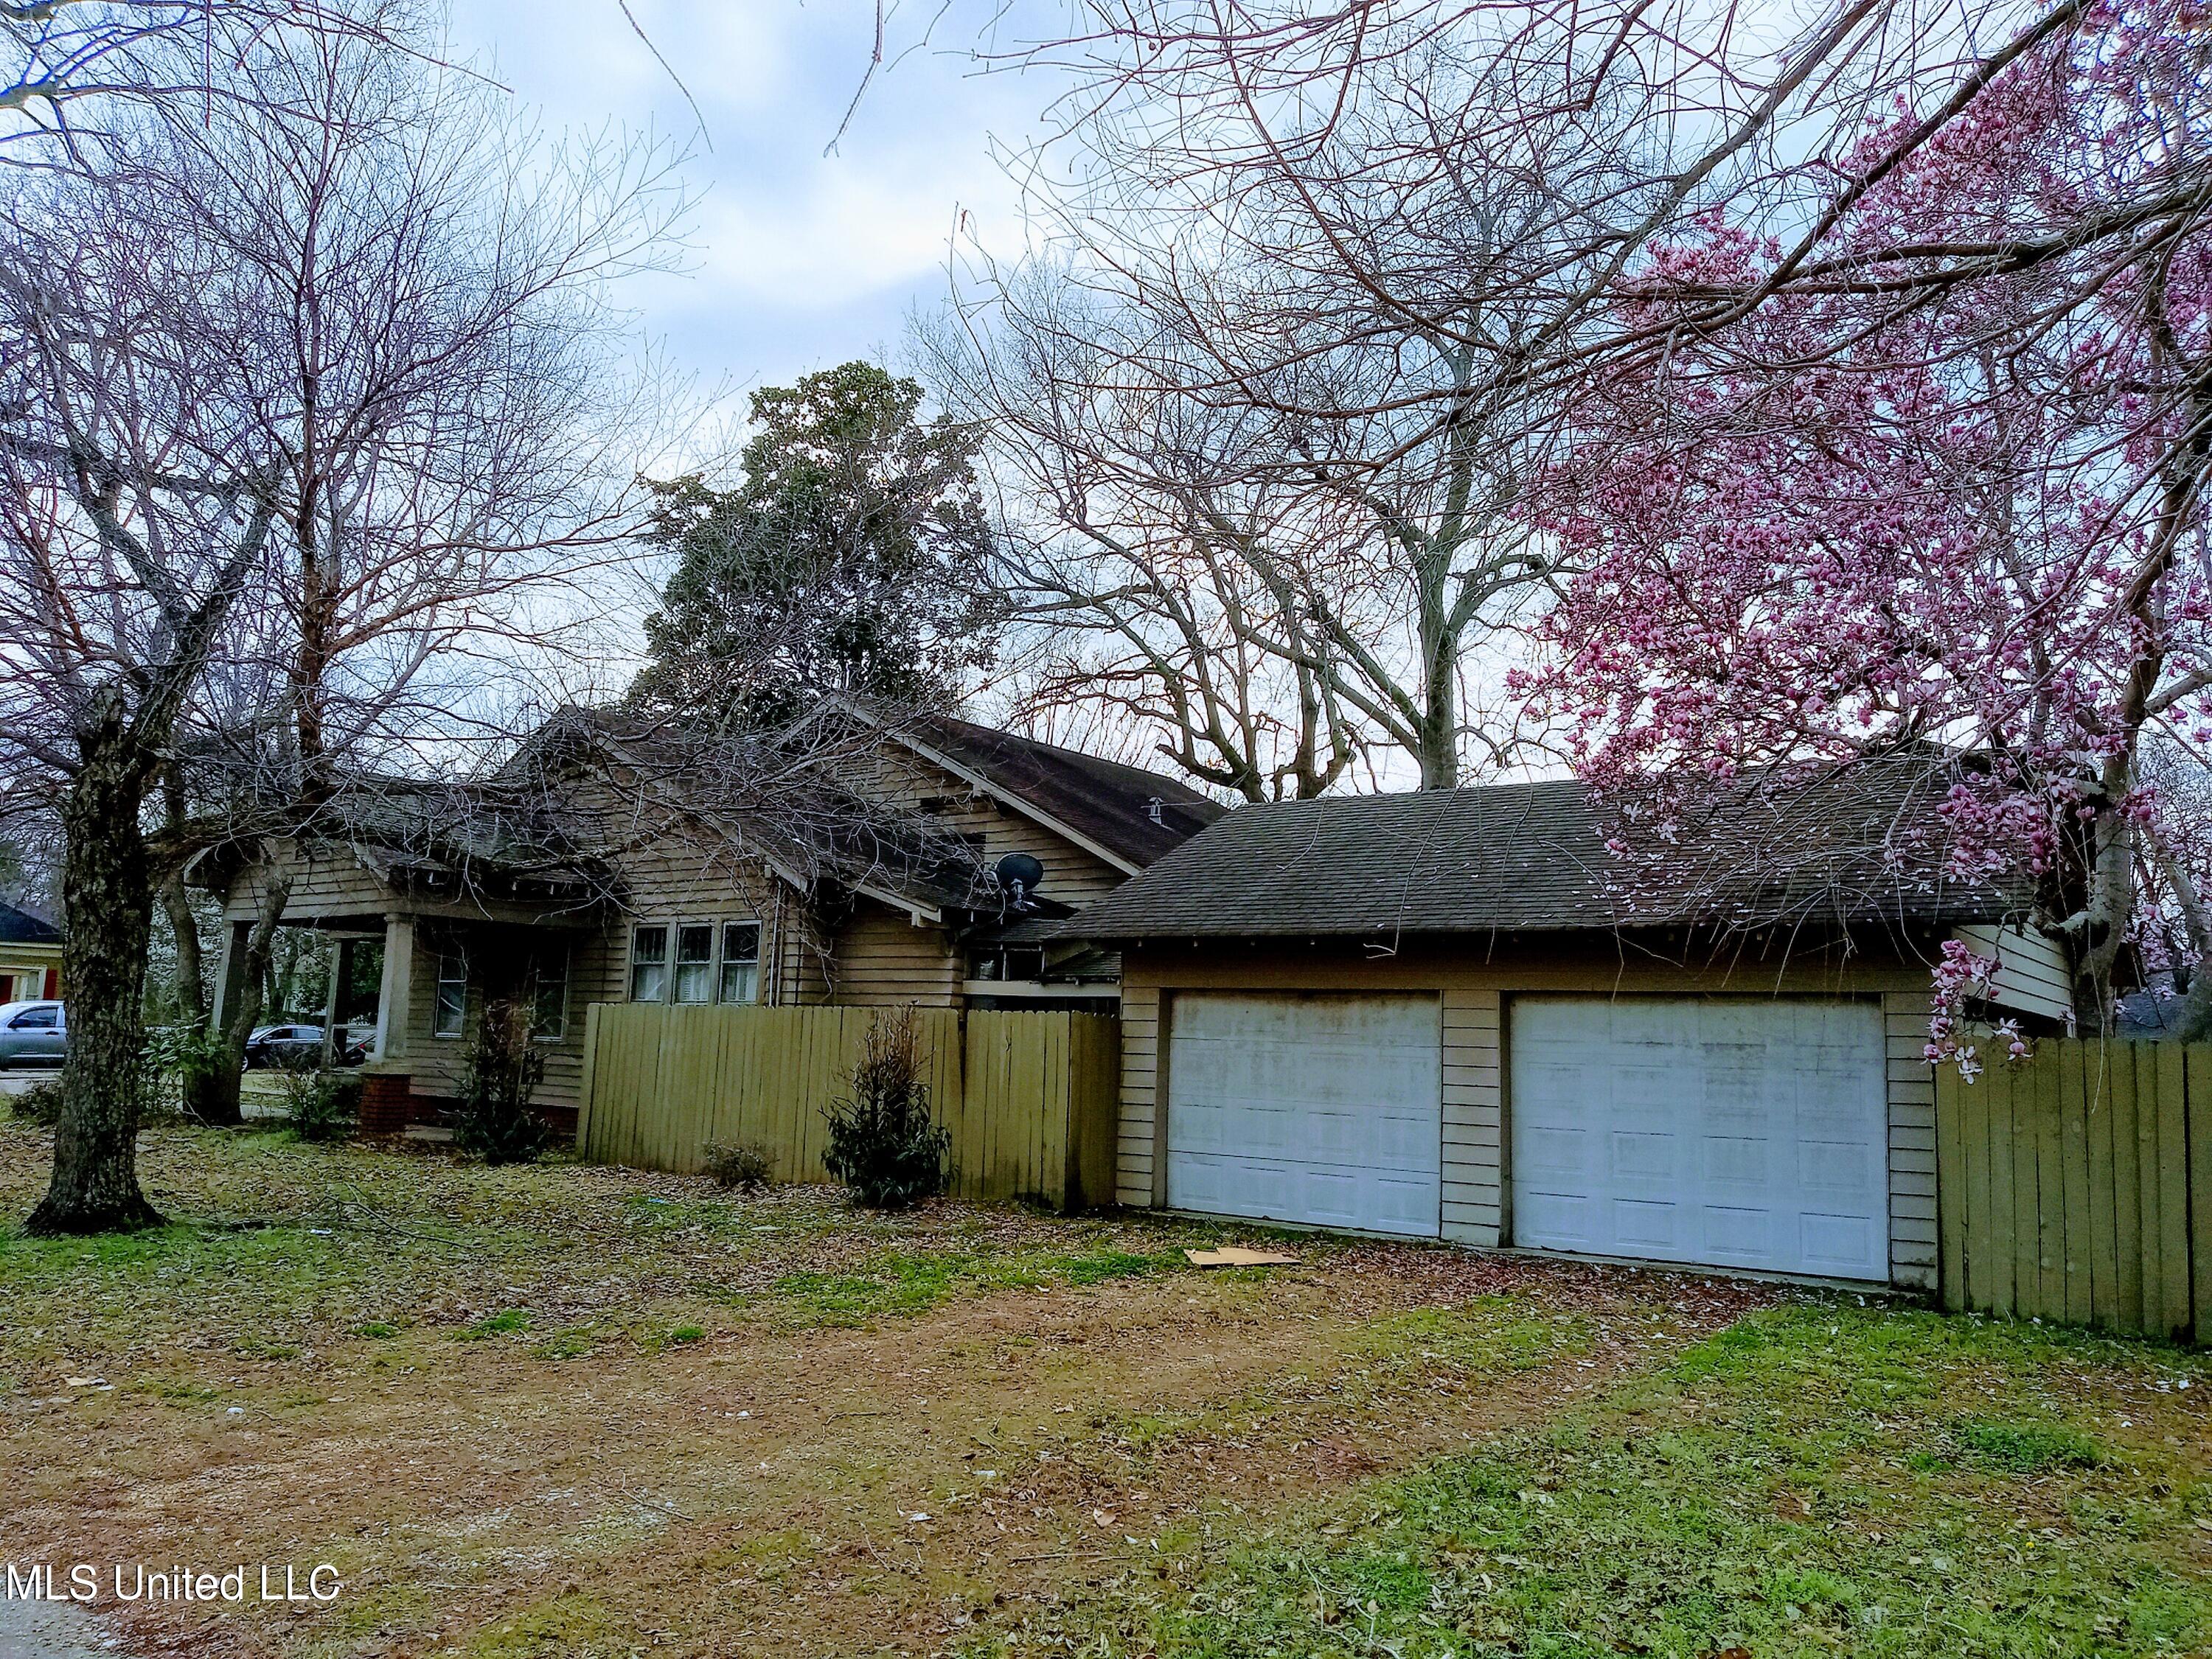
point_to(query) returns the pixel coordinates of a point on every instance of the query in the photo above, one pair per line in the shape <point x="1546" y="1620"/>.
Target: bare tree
<point x="1324" y="285"/>
<point x="73" y="71"/>
<point x="317" y="416"/>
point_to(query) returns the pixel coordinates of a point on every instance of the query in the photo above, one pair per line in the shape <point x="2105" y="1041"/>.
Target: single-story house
<point x="930" y="866"/>
<point x="1469" y="1015"/>
<point x="30" y="954"/>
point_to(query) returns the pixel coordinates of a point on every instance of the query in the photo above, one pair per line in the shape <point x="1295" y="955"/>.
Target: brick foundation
<point x="390" y="1106"/>
<point x="388" y="1103"/>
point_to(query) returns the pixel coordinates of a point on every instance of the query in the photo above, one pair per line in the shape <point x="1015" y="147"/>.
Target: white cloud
<point x="794" y="252"/>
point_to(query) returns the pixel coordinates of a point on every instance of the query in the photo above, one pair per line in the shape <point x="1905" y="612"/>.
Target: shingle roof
<point x="1535" y="857"/>
<point x="1105" y="801"/>
<point x="22" y="926"/>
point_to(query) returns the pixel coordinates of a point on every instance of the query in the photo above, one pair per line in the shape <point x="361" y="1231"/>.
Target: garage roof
<point x="1846" y="847"/>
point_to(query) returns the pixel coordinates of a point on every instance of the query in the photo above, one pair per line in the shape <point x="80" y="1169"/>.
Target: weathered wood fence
<point x="1030" y="1097"/>
<point x="2076" y="1187"/>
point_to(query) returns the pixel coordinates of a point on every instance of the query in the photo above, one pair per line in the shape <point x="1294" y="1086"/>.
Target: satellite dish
<point x="1020" y="875"/>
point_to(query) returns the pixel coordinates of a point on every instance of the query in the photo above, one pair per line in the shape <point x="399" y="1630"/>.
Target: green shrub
<point x="501" y="1069"/>
<point x="882" y="1142"/>
<point x="40" y="1103"/>
<point x="172" y="1067"/>
<point x="742" y="1165"/>
<point x="321" y="1105"/>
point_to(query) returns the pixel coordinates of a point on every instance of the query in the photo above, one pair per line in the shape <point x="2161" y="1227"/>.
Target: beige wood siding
<point x="882" y="958"/>
<point x="1911" y="1141"/>
<point x="2031" y="976"/>
<point x="1136" y="1169"/>
<point x="1473" y="1117"/>
<point x="1072" y="875"/>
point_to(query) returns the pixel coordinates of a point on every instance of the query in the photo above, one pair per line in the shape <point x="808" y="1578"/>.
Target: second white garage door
<point x="1737" y="1134"/>
<point x="1317" y="1108"/>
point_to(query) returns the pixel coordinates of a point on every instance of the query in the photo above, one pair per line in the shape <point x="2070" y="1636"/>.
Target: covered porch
<point x="412" y="968"/>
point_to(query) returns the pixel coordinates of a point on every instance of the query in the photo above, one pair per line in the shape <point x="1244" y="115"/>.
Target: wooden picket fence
<point x="2076" y="1187"/>
<point x="1030" y="1097"/>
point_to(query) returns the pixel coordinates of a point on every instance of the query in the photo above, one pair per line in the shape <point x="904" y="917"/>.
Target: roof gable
<point x="1125" y="814"/>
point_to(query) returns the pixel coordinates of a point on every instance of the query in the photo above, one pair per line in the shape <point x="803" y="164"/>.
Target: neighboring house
<point x="631" y="879"/>
<point x="30" y="954"/>
<point x="1458" y="1014"/>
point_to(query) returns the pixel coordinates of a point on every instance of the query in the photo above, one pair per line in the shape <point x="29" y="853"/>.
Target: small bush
<point x="882" y="1142"/>
<point x="321" y="1105"/>
<point x="501" y="1069"/>
<point x="743" y="1165"/>
<point x="40" y="1103"/>
<point x="173" y="1069"/>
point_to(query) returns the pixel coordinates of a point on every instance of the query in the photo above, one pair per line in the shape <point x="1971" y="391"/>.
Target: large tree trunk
<point x="107" y="887"/>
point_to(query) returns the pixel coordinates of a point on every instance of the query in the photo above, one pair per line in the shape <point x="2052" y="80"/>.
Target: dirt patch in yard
<point x="688" y="1434"/>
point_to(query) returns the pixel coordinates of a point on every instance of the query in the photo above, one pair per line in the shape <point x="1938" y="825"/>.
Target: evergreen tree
<point x="849" y="559"/>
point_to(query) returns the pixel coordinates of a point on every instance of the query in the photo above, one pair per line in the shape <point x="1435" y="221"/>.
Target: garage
<point x="1307" y="1107"/>
<point x="1718" y="1131"/>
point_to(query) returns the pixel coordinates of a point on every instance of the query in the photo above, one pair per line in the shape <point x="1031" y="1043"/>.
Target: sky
<point x="799" y="259"/>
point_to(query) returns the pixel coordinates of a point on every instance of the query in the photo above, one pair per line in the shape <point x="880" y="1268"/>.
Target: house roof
<point x="1843" y="847"/>
<point x="1135" y="816"/>
<point x="803" y="821"/>
<point x="19" y="926"/>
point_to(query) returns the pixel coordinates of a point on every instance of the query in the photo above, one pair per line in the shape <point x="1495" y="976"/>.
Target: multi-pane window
<point x="450" y="1013"/>
<point x="548" y="992"/>
<point x="648" y="965"/>
<point x="695" y="962"/>
<point x="741" y="961"/>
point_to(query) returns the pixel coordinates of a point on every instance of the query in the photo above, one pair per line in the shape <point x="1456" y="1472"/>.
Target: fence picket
<point x="2074" y="1183"/>
<point x="1997" y="1091"/>
<point x="2199" y="1129"/>
<point x="2173" y="1306"/>
<point x="2127" y="1189"/>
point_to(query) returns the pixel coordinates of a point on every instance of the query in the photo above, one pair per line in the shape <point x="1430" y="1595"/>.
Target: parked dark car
<point x="33" y="1033"/>
<point x="297" y="1045"/>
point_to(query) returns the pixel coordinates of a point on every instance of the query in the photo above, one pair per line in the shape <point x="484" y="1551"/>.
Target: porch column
<point x="392" y="993"/>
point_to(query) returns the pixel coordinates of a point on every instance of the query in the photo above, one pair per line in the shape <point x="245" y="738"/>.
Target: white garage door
<point x="1737" y="1134"/>
<point x="1317" y="1108"/>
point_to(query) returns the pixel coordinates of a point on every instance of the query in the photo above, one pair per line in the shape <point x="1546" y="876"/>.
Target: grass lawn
<point x="573" y="1411"/>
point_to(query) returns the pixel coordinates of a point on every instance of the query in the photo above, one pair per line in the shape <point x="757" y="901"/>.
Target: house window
<point x="548" y="992"/>
<point x="1007" y="961"/>
<point x="450" y="1013"/>
<point x="648" y="965"/>
<point x="741" y="961"/>
<point x="695" y="962"/>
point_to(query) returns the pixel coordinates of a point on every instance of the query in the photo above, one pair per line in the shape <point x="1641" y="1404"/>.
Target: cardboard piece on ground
<point x="1239" y="1255"/>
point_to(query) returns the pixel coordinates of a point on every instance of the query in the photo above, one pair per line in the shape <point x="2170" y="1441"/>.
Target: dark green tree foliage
<point x="849" y="559"/>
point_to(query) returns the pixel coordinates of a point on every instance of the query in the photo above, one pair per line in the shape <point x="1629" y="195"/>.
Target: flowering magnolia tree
<point x="1929" y="473"/>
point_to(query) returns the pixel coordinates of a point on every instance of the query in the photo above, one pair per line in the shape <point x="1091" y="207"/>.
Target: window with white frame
<point x="695" y="962"/>
<point x="449" y="1012"/>
<point x="548" y="993"/>
<point x="648" y="965"/>
<point x="741" y="944"/>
